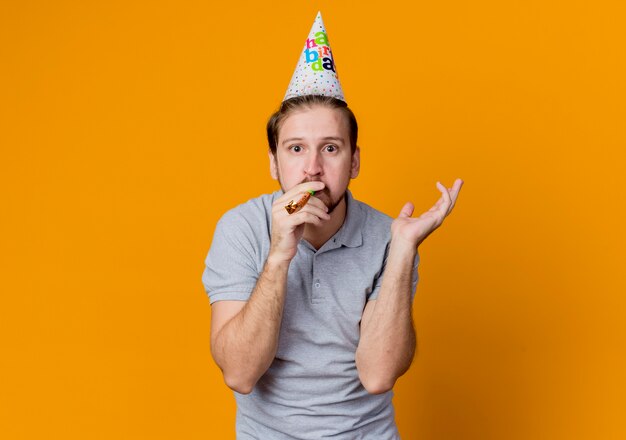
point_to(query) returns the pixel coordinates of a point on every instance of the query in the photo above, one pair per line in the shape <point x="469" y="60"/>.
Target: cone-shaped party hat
<point x="315" y="73"/>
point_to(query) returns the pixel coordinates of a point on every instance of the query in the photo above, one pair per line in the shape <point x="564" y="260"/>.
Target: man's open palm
<point x="415" y="230"/>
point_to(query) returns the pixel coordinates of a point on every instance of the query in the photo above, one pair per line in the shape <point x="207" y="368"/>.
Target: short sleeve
<point x="379" y="279"/>
<point x="230" y="271"/>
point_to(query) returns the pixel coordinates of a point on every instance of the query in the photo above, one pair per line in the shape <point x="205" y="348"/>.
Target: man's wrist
<point x="276" y="261"/>
<point x="402" y="248"/>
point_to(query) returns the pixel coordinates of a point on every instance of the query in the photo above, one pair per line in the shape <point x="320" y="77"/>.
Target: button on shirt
<point x="312" y="389"/>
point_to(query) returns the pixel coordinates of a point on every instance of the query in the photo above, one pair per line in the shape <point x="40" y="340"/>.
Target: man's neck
<point x="318" y="235"/>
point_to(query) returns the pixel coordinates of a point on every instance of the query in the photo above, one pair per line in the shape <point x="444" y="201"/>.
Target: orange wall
<point x="128" y="128"/>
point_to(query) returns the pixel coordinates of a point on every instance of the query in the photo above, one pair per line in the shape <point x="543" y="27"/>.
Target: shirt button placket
<point x="316" y="296"/>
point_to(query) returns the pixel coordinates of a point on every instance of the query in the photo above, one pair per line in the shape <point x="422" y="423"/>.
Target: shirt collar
<point x="351" y="232"/>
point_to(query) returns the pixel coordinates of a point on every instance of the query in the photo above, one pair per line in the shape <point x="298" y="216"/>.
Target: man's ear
<point x="356" y="163"/>
<point x="273" y="165"/>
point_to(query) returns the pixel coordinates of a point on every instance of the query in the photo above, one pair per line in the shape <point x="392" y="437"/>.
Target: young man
<point x="311" y="311"/>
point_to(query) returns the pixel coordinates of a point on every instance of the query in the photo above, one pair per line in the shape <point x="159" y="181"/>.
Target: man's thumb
<point x="407" y="210"/>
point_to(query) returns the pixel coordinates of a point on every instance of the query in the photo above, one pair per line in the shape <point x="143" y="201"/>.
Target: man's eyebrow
<point x="326" y="138"/>
<point x="291" y="140"/>
<point x="333" y="138"/>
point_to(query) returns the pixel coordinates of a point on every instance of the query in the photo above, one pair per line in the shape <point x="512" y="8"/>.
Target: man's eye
<point x="331" y="148"/>
<point x="296" y="148"/>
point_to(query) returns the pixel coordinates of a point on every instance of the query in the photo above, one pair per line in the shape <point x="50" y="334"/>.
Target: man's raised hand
<point x="413" y="231"/>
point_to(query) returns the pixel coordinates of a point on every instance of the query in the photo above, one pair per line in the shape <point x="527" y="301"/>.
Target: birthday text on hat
<point x="318" y="53"/>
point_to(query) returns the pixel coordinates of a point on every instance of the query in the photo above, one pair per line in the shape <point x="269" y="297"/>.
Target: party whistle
<point x="295" y="207"/>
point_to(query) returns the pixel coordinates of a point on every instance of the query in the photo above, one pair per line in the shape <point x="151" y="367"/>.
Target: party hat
<point x="315" y="73"/>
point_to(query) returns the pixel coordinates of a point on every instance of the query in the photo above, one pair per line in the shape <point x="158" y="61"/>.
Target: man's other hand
<point x="287" y="229"/>
<point x="413" y="231"/>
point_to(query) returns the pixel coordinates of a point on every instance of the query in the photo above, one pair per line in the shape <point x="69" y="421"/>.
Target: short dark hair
<point x="308" y="101"/>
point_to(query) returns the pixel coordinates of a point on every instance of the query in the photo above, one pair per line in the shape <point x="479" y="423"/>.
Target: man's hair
<point x="306" y="102"/>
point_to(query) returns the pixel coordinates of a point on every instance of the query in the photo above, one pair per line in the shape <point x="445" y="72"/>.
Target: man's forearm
<point x="387" y="343"/>
<point x="246" y="345"/>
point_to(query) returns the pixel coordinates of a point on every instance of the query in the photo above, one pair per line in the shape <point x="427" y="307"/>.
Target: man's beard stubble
<point x="324" y="196"/>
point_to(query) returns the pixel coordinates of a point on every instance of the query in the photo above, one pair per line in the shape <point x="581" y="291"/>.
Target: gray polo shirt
<point x="312" y="389"/>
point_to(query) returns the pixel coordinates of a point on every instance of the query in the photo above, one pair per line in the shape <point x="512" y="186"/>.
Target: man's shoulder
<point x="251" y="219"/>
<point x="256" y="209"/>
<point x="373" y="219"/>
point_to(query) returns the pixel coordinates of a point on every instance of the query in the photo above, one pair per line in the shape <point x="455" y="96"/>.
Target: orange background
<point x="128" y="128"/>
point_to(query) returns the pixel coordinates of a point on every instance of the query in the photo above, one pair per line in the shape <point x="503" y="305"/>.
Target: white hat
<point x="315" y="73"/>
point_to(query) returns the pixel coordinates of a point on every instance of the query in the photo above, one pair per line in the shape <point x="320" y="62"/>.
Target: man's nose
<point x="314" y="164"/>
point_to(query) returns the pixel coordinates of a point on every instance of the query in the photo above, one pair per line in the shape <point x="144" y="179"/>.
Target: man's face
<point x="314" y="144"/>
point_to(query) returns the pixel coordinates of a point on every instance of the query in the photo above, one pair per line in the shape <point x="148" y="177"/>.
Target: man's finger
<point x="314" y="201"/>
<point x="407" y="210"/>
<point x="297" y="191"/>
<point x="302" y="217"/>
<point x="446" y="199"/>
<point x="315" y="210"/>
<point x="454" y="192"/>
